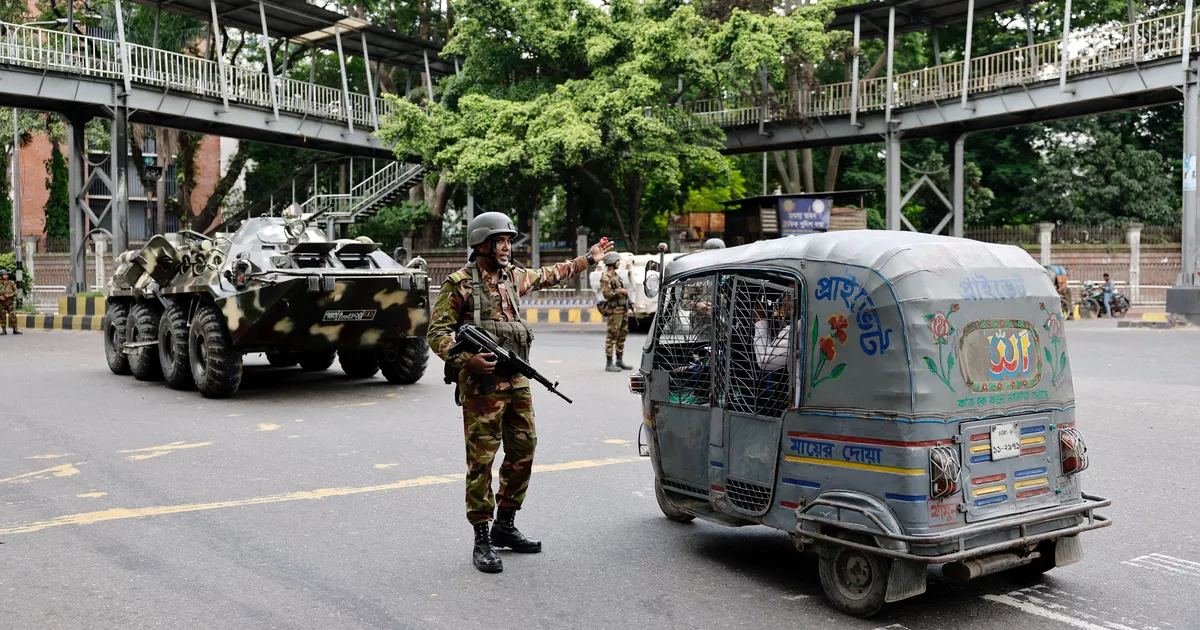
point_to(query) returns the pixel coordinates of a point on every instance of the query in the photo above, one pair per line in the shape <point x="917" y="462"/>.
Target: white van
<point x="633" y="273"/>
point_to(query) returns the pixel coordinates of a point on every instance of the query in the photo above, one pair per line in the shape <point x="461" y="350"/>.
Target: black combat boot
<point x="506" y="534"/>
<point x="621" y="363"/>
<point x="5" y="332"/>
<point x="609" y="367"/>
<point x="485" y="557"/>
<point x="17" y="332"/>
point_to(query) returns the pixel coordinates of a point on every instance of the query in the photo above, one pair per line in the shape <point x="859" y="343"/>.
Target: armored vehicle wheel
<point x="358" y="363"/>
<point x="116" y="318"/>
<point x="316" y="361"/>
<point x="216" y="365"/>
<point x="854" y="581"/>
<point x="282" y="359"/>
<point x="142" y="327"/>
<point x="668" y="508"/>
<point x="403" y="362"/>
<point x="173" y="348"/>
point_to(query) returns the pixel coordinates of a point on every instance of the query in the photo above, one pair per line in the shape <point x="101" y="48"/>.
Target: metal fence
<point x="1074" y="234"/>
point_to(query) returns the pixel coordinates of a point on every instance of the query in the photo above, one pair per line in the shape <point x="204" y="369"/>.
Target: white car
<point x="633" y="273"/>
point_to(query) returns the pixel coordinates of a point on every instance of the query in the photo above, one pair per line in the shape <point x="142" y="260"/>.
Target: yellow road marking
<point x="234" y="415"/>
<point x="293" y="436"/>
<point x="62" y="470"/>
<point x="393" y="396"/>
<point x="616" y="441"/>
<point x="156" y="451"/>
<point x="92" y="495"/>
<point x="117" y="514"/>
<point x="385" y="466"/>
<point x="553" y="360"/>
<point x="268" y="427"/>
<point x="362" y="404"/>
<point x="48" y="456"/>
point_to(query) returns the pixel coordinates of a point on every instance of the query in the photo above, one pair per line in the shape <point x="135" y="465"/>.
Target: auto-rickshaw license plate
<point x="1006" y="441"/>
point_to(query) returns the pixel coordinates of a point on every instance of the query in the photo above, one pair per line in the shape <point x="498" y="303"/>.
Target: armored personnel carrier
<point x="186" y="307"/>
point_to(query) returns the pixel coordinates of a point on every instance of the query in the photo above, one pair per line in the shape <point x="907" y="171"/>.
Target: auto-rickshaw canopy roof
<point x="893" y="254"/>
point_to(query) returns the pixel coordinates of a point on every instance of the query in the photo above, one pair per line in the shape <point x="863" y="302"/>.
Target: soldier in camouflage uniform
<point x="505" y="416"/>
<point x="616" y="310"/>
<point x="8" y="303"/>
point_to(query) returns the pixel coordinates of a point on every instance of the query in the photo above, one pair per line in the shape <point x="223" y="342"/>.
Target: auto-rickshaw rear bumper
<point x="1018" y="525"/>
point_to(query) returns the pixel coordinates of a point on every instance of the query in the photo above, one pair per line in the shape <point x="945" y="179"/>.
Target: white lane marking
<point x="1165" y="564"/>
<point x="795" y="598"/>
<point x="895" y="626"/>
<point x="1036" y="610"/>
<point x="1050" y="603"/>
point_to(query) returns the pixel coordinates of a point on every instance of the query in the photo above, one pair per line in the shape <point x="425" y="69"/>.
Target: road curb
<point x="553" y="315"/>
<point x="62" y="322"/>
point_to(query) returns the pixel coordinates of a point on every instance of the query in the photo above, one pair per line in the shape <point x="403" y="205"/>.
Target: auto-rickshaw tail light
<point x="637" y="383"/>
<point x="1072" y="451"/>
<point x="944" y="469"/>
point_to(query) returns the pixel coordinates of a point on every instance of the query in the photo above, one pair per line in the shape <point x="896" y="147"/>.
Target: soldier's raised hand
<point x="600" y="249"/>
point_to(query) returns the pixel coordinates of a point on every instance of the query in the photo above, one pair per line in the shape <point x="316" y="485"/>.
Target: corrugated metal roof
<point x="913" y="15"/>
<point x="296" y="19"/>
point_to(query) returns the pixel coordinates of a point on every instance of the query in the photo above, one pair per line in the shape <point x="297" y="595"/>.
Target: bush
<point x="9" y="261"/>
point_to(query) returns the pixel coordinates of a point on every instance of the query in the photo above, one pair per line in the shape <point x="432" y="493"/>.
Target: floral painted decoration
<point x="828" y="344"/>
<point x="942" y="329"/>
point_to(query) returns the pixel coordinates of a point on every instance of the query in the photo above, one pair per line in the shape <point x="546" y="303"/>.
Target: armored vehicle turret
<point x="186" y="307"/>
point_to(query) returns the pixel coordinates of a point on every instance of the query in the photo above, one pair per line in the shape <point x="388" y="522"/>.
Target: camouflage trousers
<point x="502" y="417"/>
<point x="618" y="329"/>
<point x="8" y="315"/>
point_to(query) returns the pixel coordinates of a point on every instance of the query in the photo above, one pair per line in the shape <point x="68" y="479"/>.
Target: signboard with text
<point x="801" y="216"/>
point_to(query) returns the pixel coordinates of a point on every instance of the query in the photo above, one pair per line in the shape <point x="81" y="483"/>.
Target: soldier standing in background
<point x="487" y="292"/>
<point x="8" y="303"/>
<point x="616" y="310"/>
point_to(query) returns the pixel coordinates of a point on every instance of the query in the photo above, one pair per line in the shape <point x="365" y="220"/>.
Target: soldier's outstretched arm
<point x="443" y="321"/>
<point x="535" y="279"/>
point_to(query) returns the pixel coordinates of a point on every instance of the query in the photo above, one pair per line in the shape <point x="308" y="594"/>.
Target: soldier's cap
<point x="612" y="258"/>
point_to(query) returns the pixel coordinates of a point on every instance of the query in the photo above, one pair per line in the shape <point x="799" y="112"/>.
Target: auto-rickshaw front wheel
<point x="854" y="581"/>
<point x="668" y="508"/>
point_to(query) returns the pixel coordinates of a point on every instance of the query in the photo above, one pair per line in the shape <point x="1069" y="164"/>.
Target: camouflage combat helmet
<point x="612" y="258"/>
<point x="714" y="243"/>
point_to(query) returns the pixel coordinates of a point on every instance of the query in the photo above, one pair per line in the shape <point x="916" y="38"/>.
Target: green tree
<point x="58" y="206"/>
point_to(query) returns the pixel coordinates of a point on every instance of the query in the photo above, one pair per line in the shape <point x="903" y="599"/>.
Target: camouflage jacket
<point x="8" y="291"/>
<point x="454" y="307"/>
<point x="610" y="285"/>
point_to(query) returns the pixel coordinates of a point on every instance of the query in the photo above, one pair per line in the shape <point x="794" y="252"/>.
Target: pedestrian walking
<point x="487" y="292"/>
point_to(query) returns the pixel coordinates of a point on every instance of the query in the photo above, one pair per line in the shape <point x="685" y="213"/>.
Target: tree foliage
<point x="58" y="206"/>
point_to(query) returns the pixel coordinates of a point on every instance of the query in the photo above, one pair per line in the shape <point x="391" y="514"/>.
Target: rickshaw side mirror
<point x="652" y="284"/>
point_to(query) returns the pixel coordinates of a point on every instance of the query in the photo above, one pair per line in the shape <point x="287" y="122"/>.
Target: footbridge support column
<point x="892" y="181"/>
<point x="77" y="192"/>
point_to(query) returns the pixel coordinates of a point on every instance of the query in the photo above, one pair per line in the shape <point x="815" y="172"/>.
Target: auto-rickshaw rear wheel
<point x="855" y="581"/>
<point x="668" y="508"/>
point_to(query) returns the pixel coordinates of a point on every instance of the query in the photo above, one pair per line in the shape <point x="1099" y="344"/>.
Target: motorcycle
<point x="1092" y="304"/>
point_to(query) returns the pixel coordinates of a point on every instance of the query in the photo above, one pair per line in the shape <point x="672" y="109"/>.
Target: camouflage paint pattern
<point x="302" y="293"/>
<point x="489" y="421"/>
<point x="618" y="329"/>
<point x="454" y="306"/>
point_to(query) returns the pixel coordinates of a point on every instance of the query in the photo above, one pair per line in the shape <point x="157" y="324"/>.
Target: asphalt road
<point x="312" y="501"/>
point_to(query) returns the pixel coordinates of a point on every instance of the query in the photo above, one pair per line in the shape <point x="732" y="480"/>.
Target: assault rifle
<point x="473" y="341"/>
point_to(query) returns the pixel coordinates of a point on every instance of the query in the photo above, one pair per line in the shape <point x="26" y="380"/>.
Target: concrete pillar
<point x="1133" y="237"/>
<point x="1045" y="232"/>
<point x="100" y="247"/>
<point x="30" y="248"/>
<point x="75" y="190"/>
<point x="959" y="175"/>
<point x="1183" y="301"/>
<point x="581" y="248"/>
<point x="119" y="167"/>
<point x="892" y="180"/>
